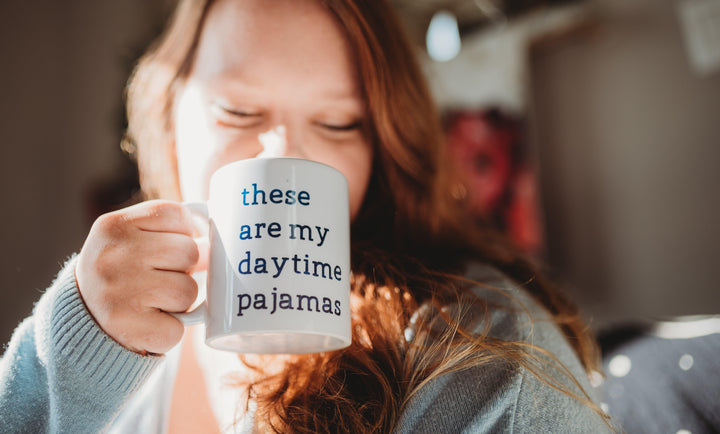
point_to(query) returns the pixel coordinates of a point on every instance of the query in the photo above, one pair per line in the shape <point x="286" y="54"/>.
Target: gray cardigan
<point x="62" y="373"/>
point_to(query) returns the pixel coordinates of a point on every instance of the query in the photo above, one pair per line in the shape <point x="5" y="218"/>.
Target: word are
<point x="276" y="196"/>
<point x="274" y="230"/>
<point x="299" y="266"/>
<point x="285" y="301"/>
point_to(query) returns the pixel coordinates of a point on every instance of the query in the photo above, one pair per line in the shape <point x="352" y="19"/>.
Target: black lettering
<point x="244" y="265"/>
<point x="295" y="260"/>
<point x="303" y="230"/>
<point x="257" y="229"/>
<point x="241" y="304"/>
<point x="274" y="229"/>
<point x="322" y="234"/>
<point x="259" y="301"/>
<point x="285" y="301"/>
<point x="276" y="196"/>
<point x="306" y="272"/>
<point x="323" y="266"/>
<point x="279" y="265"/>
<point x="309" y="298"/>
<point x="304" y="198"/>
<point x="245" y="232"/>
<point x="260" y="192"/>
<point x="327" y="305"/>
<point x="260" y="266"/>
<point x="274" y="301"/>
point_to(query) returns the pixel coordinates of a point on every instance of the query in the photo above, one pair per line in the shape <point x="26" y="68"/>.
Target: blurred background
<point x="589" y="130"/>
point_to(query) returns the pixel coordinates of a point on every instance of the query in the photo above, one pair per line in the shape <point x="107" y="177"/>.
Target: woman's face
<point x="281" y="67"/>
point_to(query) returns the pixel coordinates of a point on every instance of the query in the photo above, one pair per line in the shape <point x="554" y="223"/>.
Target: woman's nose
<point x="279" y="142"/>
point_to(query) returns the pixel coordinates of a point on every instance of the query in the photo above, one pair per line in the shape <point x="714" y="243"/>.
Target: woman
<point x="437" y="345"/>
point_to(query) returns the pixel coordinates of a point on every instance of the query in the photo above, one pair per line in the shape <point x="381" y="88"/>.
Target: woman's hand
<point x="135" y="267"/>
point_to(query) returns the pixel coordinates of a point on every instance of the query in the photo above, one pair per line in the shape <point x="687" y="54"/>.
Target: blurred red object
<point x="498" y="180"/>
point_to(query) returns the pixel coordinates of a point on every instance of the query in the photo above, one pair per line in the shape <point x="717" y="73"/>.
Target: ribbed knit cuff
<point x="67" y="334"/>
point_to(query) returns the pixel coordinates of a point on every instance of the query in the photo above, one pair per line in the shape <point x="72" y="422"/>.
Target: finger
<point x="157" y="333"/>
<point x="203" y="246"/>
<point x="201" y="227"/>
<point x="169" y="291"/>
<point x="160" y="216"/>
<point x="169" y="251"/>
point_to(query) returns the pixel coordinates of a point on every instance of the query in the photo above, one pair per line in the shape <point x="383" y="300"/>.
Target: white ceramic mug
<point x="279" y="270"/>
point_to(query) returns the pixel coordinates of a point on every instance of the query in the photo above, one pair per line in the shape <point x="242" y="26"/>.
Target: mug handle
<point x="197" y="315"/>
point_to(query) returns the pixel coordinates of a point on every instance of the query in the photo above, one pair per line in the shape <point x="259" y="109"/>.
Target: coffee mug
<point x="279" y="268"/>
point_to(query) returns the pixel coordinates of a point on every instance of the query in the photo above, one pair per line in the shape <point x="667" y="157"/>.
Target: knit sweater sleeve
<point x="502" y="396"/>
<point x="61" y="372"/>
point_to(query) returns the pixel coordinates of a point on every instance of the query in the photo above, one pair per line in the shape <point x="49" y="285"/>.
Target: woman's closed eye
<point x="235" y="117"/>
<point x="340" y="127"/>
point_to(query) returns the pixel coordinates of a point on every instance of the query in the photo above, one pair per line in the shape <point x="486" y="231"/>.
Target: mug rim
<point x="271" y="160"/>
<point x="339" y="339"/>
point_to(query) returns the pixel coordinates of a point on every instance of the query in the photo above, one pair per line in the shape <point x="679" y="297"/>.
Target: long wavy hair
<point x="410" y="239"/>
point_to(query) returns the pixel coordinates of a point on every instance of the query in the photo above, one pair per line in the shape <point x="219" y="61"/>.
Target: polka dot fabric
<point x="658" y="384"/>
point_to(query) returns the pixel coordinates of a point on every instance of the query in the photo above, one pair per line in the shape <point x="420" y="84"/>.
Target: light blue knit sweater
<point x="61" y="373"/>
